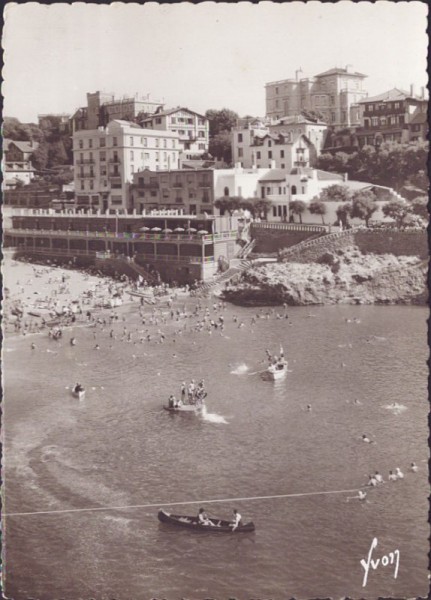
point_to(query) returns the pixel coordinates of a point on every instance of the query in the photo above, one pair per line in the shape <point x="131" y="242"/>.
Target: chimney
<point x="297" y="73"/>
<point x="412" y="90"/>
<point x="422" y="93"/>
<point x="349" y="69"/>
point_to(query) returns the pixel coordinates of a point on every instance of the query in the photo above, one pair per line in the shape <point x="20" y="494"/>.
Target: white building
<point x="289" y="141"/>
<point x="105" y="160"/>
<point x="191" y="127"/>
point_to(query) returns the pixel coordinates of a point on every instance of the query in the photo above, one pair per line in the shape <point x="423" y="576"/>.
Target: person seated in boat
<point x="191" y="391"/>
<point x="78" y="388"/>
<point x="203" y="518"/>
<point x="171" y="401"/>
<point x="178" y="403"/>
<point x="236" y="520"/>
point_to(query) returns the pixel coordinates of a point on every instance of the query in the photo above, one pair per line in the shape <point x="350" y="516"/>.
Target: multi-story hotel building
<point x="17" y="165"/>
<point x="331" y="94"/>
<point x="191" y="127"/>
<point x="394" y="116"/>
<point x="105" y="160"/>
<point x="190" y="190"/>
<point x="103" y="107"/>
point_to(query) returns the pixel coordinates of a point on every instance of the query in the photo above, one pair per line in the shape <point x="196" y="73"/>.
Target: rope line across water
<point x="160" y="504"/>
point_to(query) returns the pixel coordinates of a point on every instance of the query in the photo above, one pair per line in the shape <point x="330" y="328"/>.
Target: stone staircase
<point x="240" y="266"/>
<point x="245" y="250"/>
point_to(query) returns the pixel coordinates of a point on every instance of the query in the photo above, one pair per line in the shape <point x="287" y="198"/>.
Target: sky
<point x="209" y="55"/>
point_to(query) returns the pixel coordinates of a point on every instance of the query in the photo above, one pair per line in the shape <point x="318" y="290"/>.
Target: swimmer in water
<point x="399" y="473"/>
<point x="361" y="496"/>
<point x="33" y="346"/>
<point x="309" y="407"/>
<point x="372" y="481"/>
<point x="367" y="439"/>
<point x="378" y="477"/>
<point x="392" y="476"/>
<point x="414" y="468"/>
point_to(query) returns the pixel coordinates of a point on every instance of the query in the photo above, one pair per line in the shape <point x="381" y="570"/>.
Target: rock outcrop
<point x="344" y="277"/>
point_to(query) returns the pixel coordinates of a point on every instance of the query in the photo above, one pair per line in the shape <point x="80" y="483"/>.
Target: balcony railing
<point x="115" y="160"/>
<point x="145" y="186"/>
<point x="124" y="235"/>
<point x="85" y="161"/>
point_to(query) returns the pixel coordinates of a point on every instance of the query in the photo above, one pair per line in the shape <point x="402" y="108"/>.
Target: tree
<point x="262" y="205"/>
<point x="220" y="120"/>
<point x="40" y="156"/>
<point x="343" y="213"/>
<point x="298" y="208"/>
<point x="229" y="203"/>
<point x="420" y="207"/>
<point x="420" y="180"/>
<point x="335" y="163"/>
<point x="220" y="146"/>
<point x="364" y="205"/>
<point x="335" y="193"/>
<point x="318" y="208"/>
<point x="397" y="210"/>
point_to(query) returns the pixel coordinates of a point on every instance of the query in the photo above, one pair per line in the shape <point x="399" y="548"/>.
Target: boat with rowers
<point x="277" y="367"/>
<point x="192" y="399"/>
<point x="78" y="391"/>
<point x="218" y="525"/>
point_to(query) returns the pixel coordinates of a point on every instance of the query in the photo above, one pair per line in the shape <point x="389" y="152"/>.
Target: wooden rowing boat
<point x="189" y="408"/>
<point x="219" y="526"/>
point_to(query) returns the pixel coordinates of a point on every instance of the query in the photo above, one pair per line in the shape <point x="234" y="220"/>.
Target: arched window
<point x="226" y="191"/>
<point x="293" y="190"/>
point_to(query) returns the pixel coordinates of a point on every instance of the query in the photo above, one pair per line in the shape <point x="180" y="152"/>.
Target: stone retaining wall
<point x="399" y="243"/>
<point x="273" y="239"/>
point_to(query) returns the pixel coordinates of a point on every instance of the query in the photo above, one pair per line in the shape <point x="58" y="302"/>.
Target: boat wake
<point x="213" y="417"/>
<point x="395" y="408"/>
<point x="240" y="369"/>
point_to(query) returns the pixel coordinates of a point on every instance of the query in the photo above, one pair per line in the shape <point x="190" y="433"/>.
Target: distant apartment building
<point x="290" y="134"/>
<point x="103" y="107"/>
<point x="394" y="116"/>
<point x="106" y="159"/>
<point x="330" y="94"/>
<point x="191" y="127"/>
<point x="190" y="191"/>
<point x="17" y="165"/>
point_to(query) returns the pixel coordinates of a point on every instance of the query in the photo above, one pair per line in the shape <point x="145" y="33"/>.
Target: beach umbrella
<point x="202" y="231"/>
<point x="192" y="230"/>
<point x="155" y="229"/>
<point x="178" y="229"/>
<point x="167" y="230"/>
<point x="144" y="229"/>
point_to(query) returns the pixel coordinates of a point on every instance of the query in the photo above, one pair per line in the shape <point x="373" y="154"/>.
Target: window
<point x="382" y="120"/>
<point x="81" y="157"/>
<point x="131" y="155"/>
<point x="240" y="152"/>
<point x="268" y="190"/>
<point x="91" y="184"/>
<point x="81" y="143"/>
<point x="397" y="104"/>
<point x="401" y="119"/>
<point x="374" y="121"/>
<point x="279" y="190"/>
<point x="131" y="141"/>
<point x="302" y="190"/>
<point x="115" y="141"/>
<point x="366" y="122"/>
<point x="102" y="142"/>
<point x="294" y="192"/>
<point x="90" y="143"/>
<point x="157" y="142"/>
<point x="173" y="143"/>
<point x="258" y="154"/>
<point x="201" y="134"/>
<point x="269" y="154"/>
<point x="276" y="90"/>
<point x="82" y="185"/>
<point x="269" y="143"/>
<point x="281" y="153"/>
<point x="370" y="108"/>
<point x="144" y="142"/>
<point x="165" y="143"/>
<point x="276" y="103"/>
<point x="158" y="120"/>
<point x="201" y="146"/>
<point x="173" y="120"/>
<point x="274" y="211"/>
<point x="226" y="191"/>
<point x="102" y="156"/>
<point x="239" y="137"/>
<point x="333" y="117"/>
<point x="283" y="166"/>
<point x="157" y="156"/>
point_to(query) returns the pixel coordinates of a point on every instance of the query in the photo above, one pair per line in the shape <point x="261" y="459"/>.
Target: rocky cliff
<point x="344" y="277"/>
